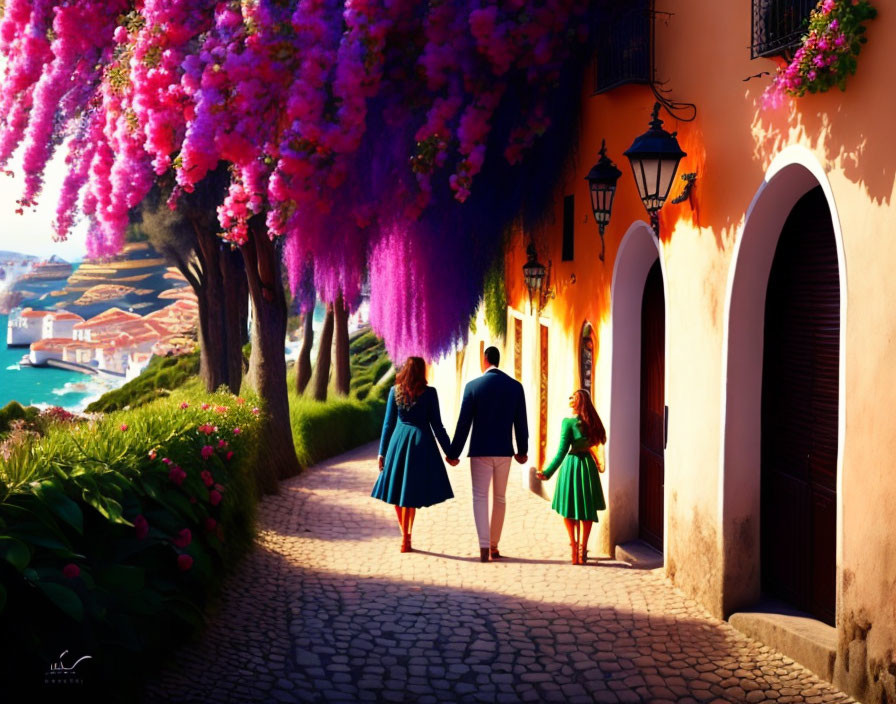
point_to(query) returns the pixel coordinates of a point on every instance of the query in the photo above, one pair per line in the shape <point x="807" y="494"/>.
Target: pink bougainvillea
<point x="360" y="132"/>
<point x="827" y="56"/>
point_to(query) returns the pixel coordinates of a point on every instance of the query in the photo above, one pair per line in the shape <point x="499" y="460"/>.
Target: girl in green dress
<point x="578" y="496"/>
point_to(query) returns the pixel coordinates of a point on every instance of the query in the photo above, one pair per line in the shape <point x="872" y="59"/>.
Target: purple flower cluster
<point x="345" y="124"/>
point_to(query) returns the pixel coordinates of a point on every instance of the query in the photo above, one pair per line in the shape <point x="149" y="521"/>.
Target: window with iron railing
<point x="623" y="44"/>
<point x="778" y="26"/>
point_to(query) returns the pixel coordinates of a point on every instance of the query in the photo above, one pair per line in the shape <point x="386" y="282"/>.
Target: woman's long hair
<point x="410" y="382"/>
<point x="592" y="426"/>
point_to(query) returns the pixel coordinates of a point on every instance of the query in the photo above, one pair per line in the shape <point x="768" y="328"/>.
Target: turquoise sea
<point x="44" y="386"/>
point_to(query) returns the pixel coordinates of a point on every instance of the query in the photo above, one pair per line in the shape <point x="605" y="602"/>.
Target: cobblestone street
<point x="327" y="609"/>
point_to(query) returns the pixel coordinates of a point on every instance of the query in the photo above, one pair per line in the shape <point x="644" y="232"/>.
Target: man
<point x="494" y="405"/>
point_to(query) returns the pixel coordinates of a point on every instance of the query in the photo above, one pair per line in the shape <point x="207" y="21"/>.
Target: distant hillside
<point x="137" y="280"/>
<point x="6" y="256"/>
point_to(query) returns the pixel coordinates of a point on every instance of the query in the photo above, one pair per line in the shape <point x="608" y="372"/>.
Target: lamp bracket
<point x="684" y="112"/>
<point x="689" y="180"/>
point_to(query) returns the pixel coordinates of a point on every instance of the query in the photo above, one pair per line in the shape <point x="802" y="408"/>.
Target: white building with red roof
<point x="109" y="321"/>
<point x="24" y="327"/>
<point x="60" y="324"/>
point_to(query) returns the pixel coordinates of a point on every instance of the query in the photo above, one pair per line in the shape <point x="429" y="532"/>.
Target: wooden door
<point x="543" y="395"/>
<point x="652" y="469"/>
<point x="800" y="407"/>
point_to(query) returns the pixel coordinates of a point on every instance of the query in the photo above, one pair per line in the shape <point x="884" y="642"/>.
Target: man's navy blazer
<point x="494" y="404"/>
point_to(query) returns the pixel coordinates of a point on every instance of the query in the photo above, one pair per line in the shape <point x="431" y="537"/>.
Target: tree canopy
<point x="391" y="138"/>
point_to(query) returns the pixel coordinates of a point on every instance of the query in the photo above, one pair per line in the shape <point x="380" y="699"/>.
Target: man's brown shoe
<point x="494" y="554"/>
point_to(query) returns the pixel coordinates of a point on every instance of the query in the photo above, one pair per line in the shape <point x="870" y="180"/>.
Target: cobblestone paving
<point x="327" y="609"/>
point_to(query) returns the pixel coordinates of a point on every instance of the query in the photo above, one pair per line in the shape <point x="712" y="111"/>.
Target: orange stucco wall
<point x="744" y="157"/>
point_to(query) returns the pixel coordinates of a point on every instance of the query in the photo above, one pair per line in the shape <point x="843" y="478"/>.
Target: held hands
<point x="540" y="475"/>
<point x="380" y="460"/>
<point x="452" y="462"/>
<point x="521" y="458"/>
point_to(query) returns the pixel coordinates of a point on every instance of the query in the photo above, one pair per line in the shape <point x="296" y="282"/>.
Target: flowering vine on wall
<point x="828" y="54"/>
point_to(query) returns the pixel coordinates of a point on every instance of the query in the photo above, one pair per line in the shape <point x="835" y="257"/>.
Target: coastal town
<point x="115" y="342"/>
<point x="104" y="318"/>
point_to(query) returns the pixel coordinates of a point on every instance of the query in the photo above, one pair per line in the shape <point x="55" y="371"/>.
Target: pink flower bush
<point x="71" y="570"/>
<point x="184" y="405"/>
<point x="207" y="451"/>
<point x="183" y="538"/>
<point x="206" y="477"/>
<point x="177" y="475"/>
<point x="123" y="427"/>
<point x="141" y="527"/>
<point x="214" y="497"/>
<point x="828" y="54"/>
<point x="184" y="562"/>
<point x="210" y="524"/>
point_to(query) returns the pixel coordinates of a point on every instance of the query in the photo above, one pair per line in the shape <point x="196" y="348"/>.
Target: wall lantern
<point x="654" y="157"/>
<point x="602" y="180"/>
<point x="534" y="274"/>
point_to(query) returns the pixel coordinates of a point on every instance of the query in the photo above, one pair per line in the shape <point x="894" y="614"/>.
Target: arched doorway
<point x="800" y="395"/>
<point x="651" y="467"/>
<point x="637" y="260"/>
<point x="793" y="174"/>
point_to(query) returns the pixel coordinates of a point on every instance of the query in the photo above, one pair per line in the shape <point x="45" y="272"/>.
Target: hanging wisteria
<point x="377" y="138"/>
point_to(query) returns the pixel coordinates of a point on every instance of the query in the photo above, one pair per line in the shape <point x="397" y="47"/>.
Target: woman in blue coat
<point x="412" y="473"/>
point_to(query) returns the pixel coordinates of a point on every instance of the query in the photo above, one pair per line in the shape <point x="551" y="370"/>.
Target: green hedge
<point x="161" y="376"/>
<point x="114" y="534"/>
<point x="13" y="411"/>
<point x="322" y="429"/>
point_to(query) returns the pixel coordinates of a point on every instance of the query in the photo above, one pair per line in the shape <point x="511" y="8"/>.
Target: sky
<point x="32" y="232"/>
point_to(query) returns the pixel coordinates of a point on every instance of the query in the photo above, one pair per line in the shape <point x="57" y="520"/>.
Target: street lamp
<point x="602" y="181"/>
<point x="534" y="275"/>
<point x="654" y="157"/>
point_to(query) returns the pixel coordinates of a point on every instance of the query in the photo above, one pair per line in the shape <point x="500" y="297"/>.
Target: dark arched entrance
<point x="800" y="406"/>
<point x="651" y="465"/>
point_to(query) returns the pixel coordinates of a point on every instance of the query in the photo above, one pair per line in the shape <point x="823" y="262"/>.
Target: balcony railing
<point x="623" y="45"/>
<point x="778" y="26"/>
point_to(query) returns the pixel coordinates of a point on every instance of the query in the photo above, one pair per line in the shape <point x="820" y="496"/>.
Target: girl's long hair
<point x="592" y="426"/>
<point x="410" y="382"/>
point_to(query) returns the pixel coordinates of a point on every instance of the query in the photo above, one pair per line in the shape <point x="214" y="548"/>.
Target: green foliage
<point x="15" y="411"/>
<point x="161" y="376"/>
<point x="324" y="429"/>
<point x="94" y="554"/>
<point x="494" y="298"/>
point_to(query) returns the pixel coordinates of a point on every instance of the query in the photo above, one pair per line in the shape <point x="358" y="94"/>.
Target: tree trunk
<point x="321" y="378"/>
<point x="303" y="363"/>
<point x="341" y="347"/>
<point x="236" y="309"/>
<point x="267" y="362"/>
<point x="212" y="354"/>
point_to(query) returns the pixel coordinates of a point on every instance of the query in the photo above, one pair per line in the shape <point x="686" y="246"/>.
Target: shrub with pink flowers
<point x="112" y="542"/>
<point x="829" y="51"/>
